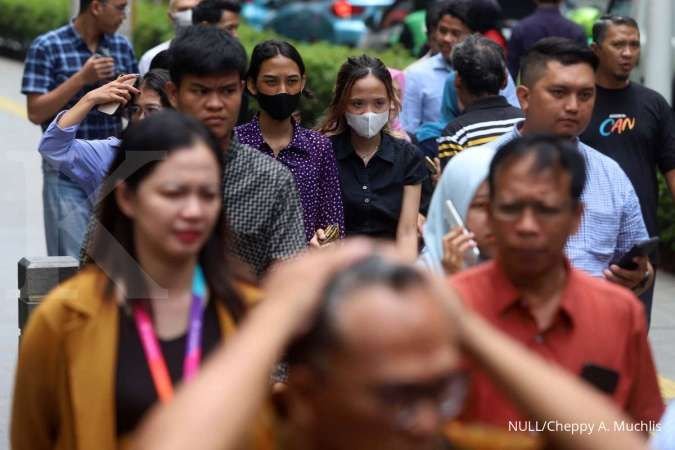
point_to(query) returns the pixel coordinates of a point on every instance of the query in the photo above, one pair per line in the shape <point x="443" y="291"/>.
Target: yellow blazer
<point x="64" y="394"/>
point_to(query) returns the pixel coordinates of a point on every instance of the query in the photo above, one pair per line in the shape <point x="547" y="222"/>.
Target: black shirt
<point x="135" y="391"/>
<point x="372" y="195"/>
<point x="635" y="127"/>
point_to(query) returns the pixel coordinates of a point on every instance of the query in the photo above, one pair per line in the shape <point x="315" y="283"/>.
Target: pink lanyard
<point x="153" y="353"/>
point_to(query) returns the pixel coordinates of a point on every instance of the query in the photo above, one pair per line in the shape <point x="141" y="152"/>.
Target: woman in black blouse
<point x="380" y="175"/>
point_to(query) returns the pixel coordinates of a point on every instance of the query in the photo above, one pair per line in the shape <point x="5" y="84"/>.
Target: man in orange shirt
<point x="590" y="327"/>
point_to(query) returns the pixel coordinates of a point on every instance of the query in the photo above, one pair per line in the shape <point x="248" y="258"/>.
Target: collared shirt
<point x="597" y="323"/>
<point x="261" y="205"/>
<point x="611" y="222"/>
<point x="83" y="161"/>
<point x="373" y="194"/>
<point x="310" y="158"/>
<point x="481" y="122"/>
<point x="545" y="21"/>
<point x="57" y="55"/>
<point x="429" y="93"/>
<point x="424" y="81"/>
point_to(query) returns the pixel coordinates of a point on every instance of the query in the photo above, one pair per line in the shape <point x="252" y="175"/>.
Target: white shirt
<point x="146" y="59"/>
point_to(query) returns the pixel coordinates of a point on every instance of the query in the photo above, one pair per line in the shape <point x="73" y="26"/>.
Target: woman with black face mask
<point x="276" y="78"/>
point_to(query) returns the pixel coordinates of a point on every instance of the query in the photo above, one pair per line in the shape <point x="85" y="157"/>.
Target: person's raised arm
<point x="231" y="386"/>
<point x="43" y="106"/>
<point x="119" y="91"/>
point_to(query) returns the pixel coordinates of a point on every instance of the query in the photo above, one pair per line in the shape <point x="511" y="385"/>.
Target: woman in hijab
<point x="464" y="183"/>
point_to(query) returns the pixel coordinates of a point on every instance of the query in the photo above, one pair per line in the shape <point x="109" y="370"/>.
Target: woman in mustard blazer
<point x="160" y="294"/>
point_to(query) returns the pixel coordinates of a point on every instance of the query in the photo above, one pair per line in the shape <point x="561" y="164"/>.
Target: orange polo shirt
<point x="597" y="323"/>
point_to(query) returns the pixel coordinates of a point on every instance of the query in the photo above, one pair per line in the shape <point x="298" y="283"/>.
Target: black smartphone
<point x="644" y="248"/>
<point x="601" y="377"/>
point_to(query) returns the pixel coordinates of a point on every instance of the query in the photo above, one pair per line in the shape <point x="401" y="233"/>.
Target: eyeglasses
<point x="402" y="403"/>
<point x="510" y="212"/>
<point x="136" y="110"/>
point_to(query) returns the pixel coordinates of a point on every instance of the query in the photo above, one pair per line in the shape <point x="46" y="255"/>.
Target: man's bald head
<point x="380" y="366"/>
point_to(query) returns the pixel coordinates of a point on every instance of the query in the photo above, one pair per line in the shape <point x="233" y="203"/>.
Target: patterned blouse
<point x="310" y="158"/>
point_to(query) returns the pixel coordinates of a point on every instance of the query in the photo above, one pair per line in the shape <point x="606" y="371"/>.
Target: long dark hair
<point x="112" y="247"/>
<point x="354" y="69"/>
<point x="269" y="49"/>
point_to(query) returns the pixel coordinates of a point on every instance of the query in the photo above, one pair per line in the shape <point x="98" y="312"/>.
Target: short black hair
<point x="484" y="15"/>
<point x="550" y="152"/>
<point x="204" y="50"/>
<point x="160" y="61"/>
<point x="85" y="4"/>
<point x="480" y="64"/>
<point x="312" y="346"/>
<point x="565" y="51"/>
<point x="459" y="9"/>
<point x="603" y="23"/>
<point x="211" y="11"/>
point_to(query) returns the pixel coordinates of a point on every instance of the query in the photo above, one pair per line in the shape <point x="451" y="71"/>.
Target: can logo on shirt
<point x="616" y="124"/>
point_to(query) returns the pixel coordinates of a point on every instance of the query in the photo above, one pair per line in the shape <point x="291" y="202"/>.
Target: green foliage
<point x="151" y="26"/>
<point x="322" y="61"/>
<point x="23" y="20"/>
<point x="666" y="220"/>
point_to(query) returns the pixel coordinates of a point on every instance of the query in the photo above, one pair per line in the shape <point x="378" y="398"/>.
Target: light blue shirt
<point x="664" y="438"/>
<point x="84" y="161"/>
<point x="612" y="220"/>
<point x="423" y="96"/>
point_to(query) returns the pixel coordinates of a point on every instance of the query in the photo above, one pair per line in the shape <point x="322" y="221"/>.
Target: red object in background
<point x="496" y="36"/>
<point x="344" y="9"/>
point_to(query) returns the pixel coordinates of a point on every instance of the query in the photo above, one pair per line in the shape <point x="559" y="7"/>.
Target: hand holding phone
<point x="644" y="248"/>
<point x="111" y="107"/>
<point x="454" y="220"/>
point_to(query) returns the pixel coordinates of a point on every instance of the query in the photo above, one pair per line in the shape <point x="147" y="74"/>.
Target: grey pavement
<point x="21" y="234"/>
<point x="21" y="225"/>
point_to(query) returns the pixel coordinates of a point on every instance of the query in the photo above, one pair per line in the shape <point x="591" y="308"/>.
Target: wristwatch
<point x="643" y="283"/>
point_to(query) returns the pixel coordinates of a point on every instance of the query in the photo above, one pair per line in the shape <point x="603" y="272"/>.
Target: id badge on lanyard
<point x="152" y="350"/>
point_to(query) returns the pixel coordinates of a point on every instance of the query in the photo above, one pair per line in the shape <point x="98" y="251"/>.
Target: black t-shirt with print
<point x="635" y="127"/>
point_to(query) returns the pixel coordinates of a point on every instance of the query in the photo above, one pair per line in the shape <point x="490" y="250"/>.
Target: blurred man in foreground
<point x="375" y="349"/>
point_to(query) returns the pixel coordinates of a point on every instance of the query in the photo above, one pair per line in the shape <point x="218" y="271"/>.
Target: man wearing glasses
<point x="591" y="328"/>
<point x="61" y="66"/>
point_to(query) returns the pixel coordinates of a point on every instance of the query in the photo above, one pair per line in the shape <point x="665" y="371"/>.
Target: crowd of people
<point x="249" y="282"/>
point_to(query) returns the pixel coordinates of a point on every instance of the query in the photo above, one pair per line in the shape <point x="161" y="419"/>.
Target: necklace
<point x="366" y="156"/>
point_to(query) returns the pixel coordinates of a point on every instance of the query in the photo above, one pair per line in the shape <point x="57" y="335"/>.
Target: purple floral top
<point x="310" y="158"/>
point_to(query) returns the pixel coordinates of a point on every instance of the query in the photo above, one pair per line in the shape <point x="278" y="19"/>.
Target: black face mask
<point x="278" y="106"/>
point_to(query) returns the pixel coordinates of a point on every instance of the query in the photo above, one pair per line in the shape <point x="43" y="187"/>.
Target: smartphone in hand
<point x="644" y="248"/>
<point x="472" y="256"/>
<point x="112" y="107"/>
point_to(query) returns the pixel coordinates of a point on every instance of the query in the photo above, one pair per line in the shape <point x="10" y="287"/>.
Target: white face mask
<point x="367" y="124"/>
<point x="182" y="19"/>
